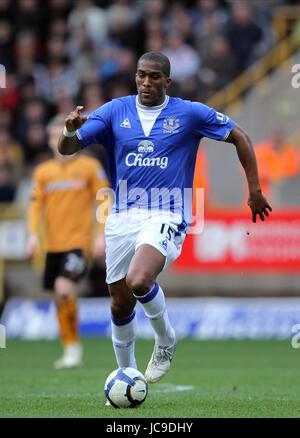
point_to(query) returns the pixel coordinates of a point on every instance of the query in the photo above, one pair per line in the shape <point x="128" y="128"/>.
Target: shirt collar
<point x="152" y="108"/>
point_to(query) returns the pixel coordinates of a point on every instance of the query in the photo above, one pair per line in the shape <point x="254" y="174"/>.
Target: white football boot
<point x="160" y="362"/>
<point x="71" y="358"/>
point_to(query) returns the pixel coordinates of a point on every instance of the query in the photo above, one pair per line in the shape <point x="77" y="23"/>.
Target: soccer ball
<point x="126" y="388"/>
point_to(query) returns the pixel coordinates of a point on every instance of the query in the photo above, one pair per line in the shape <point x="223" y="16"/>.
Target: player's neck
<point x="152" y="107"/>
<point x="64" y="159"/>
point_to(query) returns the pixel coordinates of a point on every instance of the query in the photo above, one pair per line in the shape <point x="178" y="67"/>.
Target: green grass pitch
<point x="207" y="379"/>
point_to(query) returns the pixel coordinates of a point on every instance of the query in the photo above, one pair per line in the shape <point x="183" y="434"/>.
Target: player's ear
<point x="168" y="82"/>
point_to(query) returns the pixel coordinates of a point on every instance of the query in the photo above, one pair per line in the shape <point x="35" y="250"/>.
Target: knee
<point x="140" y="282"/>
<point x="63" y="288"/>
<point x="122" y="300"/>
<point x="121" y="309"/>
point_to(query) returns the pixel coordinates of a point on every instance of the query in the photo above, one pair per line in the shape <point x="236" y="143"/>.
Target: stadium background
<point x="240" y="57"/>
<point x="235" y="281"/>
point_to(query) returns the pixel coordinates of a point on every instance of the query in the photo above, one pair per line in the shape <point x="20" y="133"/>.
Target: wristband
<point x="68" y="133"/>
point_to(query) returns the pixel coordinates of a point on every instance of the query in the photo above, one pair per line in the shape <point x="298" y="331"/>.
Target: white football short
<point x="127" y="230"/>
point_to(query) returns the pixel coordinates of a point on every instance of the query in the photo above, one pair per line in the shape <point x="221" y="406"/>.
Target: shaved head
<point x="158" y="58"/>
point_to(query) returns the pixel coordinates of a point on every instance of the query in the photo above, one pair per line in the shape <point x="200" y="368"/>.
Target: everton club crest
<point x="171" y="124"/>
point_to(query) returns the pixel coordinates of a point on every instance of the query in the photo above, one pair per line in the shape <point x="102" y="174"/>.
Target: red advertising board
<point x="230" y="242"/>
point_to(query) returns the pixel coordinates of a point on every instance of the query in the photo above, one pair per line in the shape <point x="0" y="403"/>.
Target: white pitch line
<point x="168" y="387"/>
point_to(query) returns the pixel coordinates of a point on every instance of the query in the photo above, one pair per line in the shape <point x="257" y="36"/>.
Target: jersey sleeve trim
<point x="230" y="128"/>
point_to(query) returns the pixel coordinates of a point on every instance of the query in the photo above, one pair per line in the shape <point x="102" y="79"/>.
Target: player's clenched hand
<point x="259" y="206"/>
<point x="75" y="119"/>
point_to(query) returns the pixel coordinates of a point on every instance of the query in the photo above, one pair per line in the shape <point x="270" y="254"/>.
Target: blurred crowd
<point x="58" y="53"/>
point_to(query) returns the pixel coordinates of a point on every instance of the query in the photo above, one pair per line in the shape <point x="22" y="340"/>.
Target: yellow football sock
<point x="68" y="320"/>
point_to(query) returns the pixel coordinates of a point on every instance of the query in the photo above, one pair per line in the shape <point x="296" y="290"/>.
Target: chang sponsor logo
<point x="134" y="159"/>
<point x="145" y="146"/>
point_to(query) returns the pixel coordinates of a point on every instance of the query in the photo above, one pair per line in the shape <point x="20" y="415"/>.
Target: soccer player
<point x="151" y="141"/>
<point x="64" y="195"/>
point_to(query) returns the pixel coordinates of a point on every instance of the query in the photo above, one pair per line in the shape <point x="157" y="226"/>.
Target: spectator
<point x="208" y="9"/>
<point x="11" y="154"/>
<point x="92" y="97"/>
<point x="35" y="144"/>
<point x="244" y="34"/>
<point x="11" y="166"/>
<point x="154" y="43"/>
<point x="179" y="20"/>
<point x="219" y="66"/>
<point x="59" y="51"/>
<point x="278" y="160"/>
<point x="28" y="15"/>
<point x="93" y="18"/>
<point x="33" y="111"/>
<point x="10" y="95"/>
<point x="6" y="42"/>
<point x="7" y="189"/>
<point x="179" y="54"/>
<point x="57" y="75"/>
<point x="123" y="22"/>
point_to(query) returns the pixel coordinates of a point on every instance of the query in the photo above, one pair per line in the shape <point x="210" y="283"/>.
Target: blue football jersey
<point x="152" y="171"/>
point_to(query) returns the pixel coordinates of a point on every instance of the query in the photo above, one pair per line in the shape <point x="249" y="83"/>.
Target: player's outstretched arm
<point x="68" y="143"/>
<point x="257" y="202"/>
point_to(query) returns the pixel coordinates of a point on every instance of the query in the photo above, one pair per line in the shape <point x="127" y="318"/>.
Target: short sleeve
<point x="210" y="123"/>
<point x="96" y="128"/>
